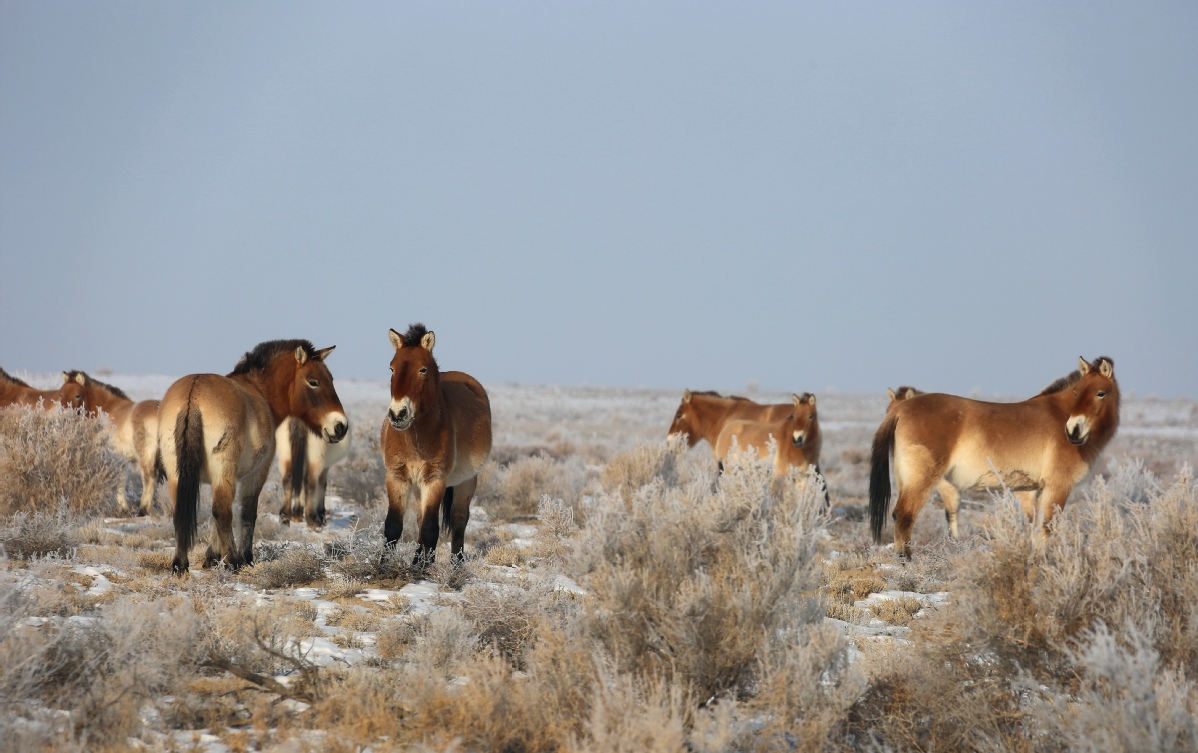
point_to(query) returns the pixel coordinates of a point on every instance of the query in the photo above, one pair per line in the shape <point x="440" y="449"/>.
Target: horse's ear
<point x="323" y="354"/>
<point x="81" y="379"/>
<point x="890" y="394"/>
<point x="428" y="341"/>
<point x="65" y="377"/>
<point x="804" y="399"/>
<point x="909" y="393"/>
<point x="1083" y="365"/>
<point x="1106" y="368"/>
<point x="301" y="355"/>
<point x="396" y="339"/>
<point x="686" y="396"/>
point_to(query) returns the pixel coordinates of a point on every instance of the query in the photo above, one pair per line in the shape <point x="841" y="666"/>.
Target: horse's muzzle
<point x="340" y="429"/>
<point x="798" y="440"/>
<point x="401" y="421"/>
<point x="1076" y="437"/>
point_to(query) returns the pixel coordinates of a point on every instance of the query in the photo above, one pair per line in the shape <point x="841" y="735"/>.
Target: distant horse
<point x="948" y="493"/>
<point x="304" y="462"/>
<point x="702" y="415"/>
<point x="15" y="392"/>
<point x="221" y="429"/>
<point x="436" y="436"/>
<point x="797" y="437"/>
<point x="134" y="428"/>
<point x="1044" y="445"/>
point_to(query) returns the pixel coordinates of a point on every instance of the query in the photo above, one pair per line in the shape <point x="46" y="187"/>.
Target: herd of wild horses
<point x="436" y="435"/>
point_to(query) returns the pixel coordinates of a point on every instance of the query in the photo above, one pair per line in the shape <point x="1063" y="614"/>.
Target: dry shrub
<point x="365" y="556"/>
<point x="1042" y="632"/>
<point x="40" y="534"/>
<point x="896" y="611"/>
<point x="506" y="616"/>
<point x="342" y="587"/>
<point x="48" y="457"/>
<point x="100" y="670"/>
<point x="296" y="567"/>
<point x="645" y="464"/>
<point x="514" y="490"/>
<point x="690" y="584"/>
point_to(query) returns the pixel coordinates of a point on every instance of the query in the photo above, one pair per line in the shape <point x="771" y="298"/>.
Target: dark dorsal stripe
<point x="5" y="376"/>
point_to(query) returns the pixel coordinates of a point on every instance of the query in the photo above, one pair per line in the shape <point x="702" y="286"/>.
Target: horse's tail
<point x="447" y="508"/>
<point x="823" y="482"/>
<point x="159" y="468"/>
<point x="189" y="450"/>
<point x="297" y="437"/>
<point x="879" y="476"/>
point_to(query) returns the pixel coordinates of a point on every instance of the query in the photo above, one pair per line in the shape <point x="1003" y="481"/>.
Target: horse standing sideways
<point x="304" y="462"/>
<point x="13" y="391"/>
<point x="948" y="493"/>
<point x="221" y="429"/>
<point x="797" y="437"/>
<point x="702" y="415"/>
<point x="436" y="436"/>
<point x="1045" y="445"/>
<point x="134" y="428"/>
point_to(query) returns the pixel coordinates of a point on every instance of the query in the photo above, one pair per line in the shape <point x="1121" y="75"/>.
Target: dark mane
<point x="903" y="390"/>
<point x="10" y="378"/>
<point x="261" y="356"/>
<point x="414" y="335"/>
<point x="1072" y="378"/>
<point x="713" y="393"/>
<point x="116" y="391"/>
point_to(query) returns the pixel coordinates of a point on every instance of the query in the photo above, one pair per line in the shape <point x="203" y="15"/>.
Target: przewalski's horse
<point x="797" y="437"/>
<point x="134" y="428"/>
<point x="13" y="391"/>
<point x="221" y="429"/>
<point x="948" y="493"/>
<point x="436" y="436"/>
<point x="304" y="462"/>
<point x="702" y="415"/>
<point x="1044" y="445"/>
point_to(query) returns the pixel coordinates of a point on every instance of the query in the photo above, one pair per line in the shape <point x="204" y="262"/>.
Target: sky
<point x="838" y="196"/>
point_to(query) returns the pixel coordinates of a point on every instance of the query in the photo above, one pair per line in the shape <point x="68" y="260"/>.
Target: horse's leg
<point x="427" y="522"/>
<point x="249" y="489"/>
<point x="1052" y="499"/>
<point x="952" y="502"/>
<point x="397" y="496"/>
<point x="915" y="482"/>
<point x="122" y="504"/>
<point x="314" y="503"/>
<point x="180" y="564"/>
<point x="460" y="516"/>
<point x="224" y="490"/>
<point x="1028" y="501"/>
<point x="285" y="480"/>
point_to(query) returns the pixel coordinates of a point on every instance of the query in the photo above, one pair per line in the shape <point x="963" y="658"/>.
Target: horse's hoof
<point x="180" y="568"/>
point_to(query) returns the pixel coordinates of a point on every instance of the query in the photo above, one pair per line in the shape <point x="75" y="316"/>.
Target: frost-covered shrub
<point x="516" y="489"/>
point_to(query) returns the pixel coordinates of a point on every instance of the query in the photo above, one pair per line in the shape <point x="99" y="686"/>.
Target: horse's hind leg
<point x="221" y="545"/>
<point x="460" y="516"/>
<point x="248" y="491"/>
<point x="314" y="492"/>
<point x="917" y="473"/>
<point x="952" y="502"/>
<point x="285" y="481"/>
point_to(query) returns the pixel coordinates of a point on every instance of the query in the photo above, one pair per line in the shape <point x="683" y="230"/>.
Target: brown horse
<point x="304" y="463"/>
<point x="13" y="391"/>
<point x="1044" y="445"/>
<point x="134" y="428"/>
<point x="948" y="493"/>
<point x="436" y="436"/>
<point x="702" y="415"/>
<point x="221" y="429"/>
<point x="797" y="437"/>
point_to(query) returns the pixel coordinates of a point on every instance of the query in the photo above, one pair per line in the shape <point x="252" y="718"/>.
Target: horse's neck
<point x="274" y="385"/>
<point x="12" y="390"/>
<point x="714" y="413"/>
<point x="112" y="404"/>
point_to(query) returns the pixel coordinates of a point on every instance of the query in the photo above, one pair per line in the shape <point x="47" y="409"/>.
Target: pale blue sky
<point x="954" y="195"/>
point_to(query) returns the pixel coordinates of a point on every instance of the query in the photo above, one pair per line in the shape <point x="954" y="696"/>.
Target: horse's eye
<point x="313" y="383"/>
<point x="423" y="370"/>
<point x="1101" y="394"/>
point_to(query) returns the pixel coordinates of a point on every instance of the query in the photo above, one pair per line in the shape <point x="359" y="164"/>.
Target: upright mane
<point x="4" y="375"/>
<point x="261" y="356"/>
<point x="1073" y="377"/>
<point x="414" y="335"/>
<point x="116" y="391"/>
<point x="904" y="389"/>
<point x="712" y="393"/>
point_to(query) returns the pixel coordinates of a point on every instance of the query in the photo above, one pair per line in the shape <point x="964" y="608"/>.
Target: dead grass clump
<point x="40" y="534"/>
<point x="296" y="567"/>
<point x="899" y="610"/>
<point x="48" y="457"/>
<point x="506" y="616"/>
<point x="647" y="463"/>
<point x="690" y="583"/>
<point x="365" y="556"/>
<point x="516" y="489"/>
<point x="342" y="587"/>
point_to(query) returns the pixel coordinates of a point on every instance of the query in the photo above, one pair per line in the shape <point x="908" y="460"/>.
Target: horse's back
<point x="748" y="433"/>
<point x="231" y="414"/>
<point x="470" y="411"/>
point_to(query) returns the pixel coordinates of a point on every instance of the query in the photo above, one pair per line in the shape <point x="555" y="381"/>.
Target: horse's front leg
<point x="397" y="494"/>
<point x="427" y="523"/>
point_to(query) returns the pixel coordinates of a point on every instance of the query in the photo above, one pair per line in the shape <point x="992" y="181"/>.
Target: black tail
<point x="189" y="450"/>
<point x="823" y="482"/>
<point x="447" y="508"/>
<point x="879" y="476"/>
<point x="159" y="468"/>
<point x="297" y="437"/>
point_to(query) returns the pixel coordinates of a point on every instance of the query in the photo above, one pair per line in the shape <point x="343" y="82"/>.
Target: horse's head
<point x="899" y="395"/>
<point x="72" y="395"/>
<point x="685" y="421"/>
<point x="802" y="423"/>
<point x="1095" y="408"/>
<point x="414" y="376"/>
<point x="313" y="398"/>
